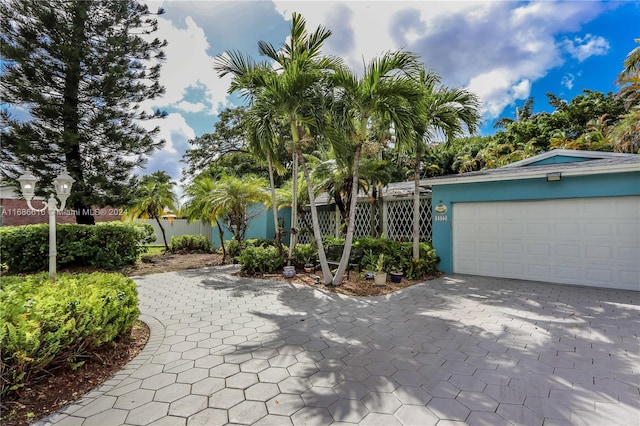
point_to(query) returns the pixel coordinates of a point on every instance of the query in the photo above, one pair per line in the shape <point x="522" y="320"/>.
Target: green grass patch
<point x="154" y="249"/>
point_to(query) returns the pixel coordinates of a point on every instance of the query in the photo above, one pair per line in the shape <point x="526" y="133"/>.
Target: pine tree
<point x="73" y="76"/>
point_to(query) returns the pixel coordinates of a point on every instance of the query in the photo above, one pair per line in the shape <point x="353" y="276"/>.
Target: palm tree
<point x="263" y="144"/>
<point x="442" y="111"/>
<point x="198" y="207"/>
<point x="229" y="197"/>
<point x="626" y="133"/>
<point x="293" y="88"/>
<point x="629" y="77"/>
<point x="383" y="93"/>
<point x="153" y="198"/>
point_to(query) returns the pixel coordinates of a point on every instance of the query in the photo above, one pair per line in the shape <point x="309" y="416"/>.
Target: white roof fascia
<point x="533" y="174"/>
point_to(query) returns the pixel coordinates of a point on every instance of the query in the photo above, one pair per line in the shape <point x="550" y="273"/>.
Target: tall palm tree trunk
<point x="274" y="207"/>
<point x="221" y="236"/>
<point x="164" y="235"/>
<point x="293" y="235"/>
<point x="416" y="203"/>
<point x="346" y="252"/>
<point x="322" y="257"/>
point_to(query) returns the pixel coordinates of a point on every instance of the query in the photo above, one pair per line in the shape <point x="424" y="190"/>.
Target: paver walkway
<point x="456" y="350"/>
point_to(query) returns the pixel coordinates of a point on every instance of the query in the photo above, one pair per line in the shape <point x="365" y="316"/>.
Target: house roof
<point x="584" y="163"/>
<point x="392" y="190"/>
<point x="575" y="154"/>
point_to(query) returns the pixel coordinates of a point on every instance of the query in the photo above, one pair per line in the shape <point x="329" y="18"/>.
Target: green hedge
<point x="45" y="324"/>
<point x="260" y="260"/>
<point x="109" y="245"/>
<point x="190" y="244"/>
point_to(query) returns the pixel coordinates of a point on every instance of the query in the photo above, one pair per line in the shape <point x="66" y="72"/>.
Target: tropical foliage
<point x="344" y="128"/>
<point x="154" y="197"/>
<point x="226" y="200"/>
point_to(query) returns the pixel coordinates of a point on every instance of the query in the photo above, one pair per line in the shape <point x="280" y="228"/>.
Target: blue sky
<point x="504" y="51"/>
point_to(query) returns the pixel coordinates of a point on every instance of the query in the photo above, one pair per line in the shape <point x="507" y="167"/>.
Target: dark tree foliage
<point x="573" y="117"/>
<point x="529" y="134"/>
<point x="226" y="151"/>
<point x="78" y="71"/>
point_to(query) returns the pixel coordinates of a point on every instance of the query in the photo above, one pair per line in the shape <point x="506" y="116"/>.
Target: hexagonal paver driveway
<point x="455" y="350"/>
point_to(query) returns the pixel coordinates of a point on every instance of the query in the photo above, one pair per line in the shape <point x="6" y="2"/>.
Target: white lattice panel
<point x="398" y="218"/>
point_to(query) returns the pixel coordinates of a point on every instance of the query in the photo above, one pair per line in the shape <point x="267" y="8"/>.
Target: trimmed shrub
<point x="305" y="254"/>
<point x="234" y="248"/>
<point x="399" y="256"/>
<point x="190" y="244"/>
<point x="260" y="260"/>
<point x="108" y="245"/>
<point x="45" y="324"/>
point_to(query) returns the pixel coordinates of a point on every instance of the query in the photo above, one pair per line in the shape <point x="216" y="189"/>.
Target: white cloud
<point x="497" y="49"/>
<point x="190" y="106"/>
<point x="189" y="66"/>
<point x="176" y="133"/>
<point x="498" y="89"/>
<point x="583" y="48"/>
<point x="568" y="80"/>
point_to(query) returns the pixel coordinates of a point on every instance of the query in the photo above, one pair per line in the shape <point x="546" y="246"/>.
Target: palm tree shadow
<point x="452" y="335"/>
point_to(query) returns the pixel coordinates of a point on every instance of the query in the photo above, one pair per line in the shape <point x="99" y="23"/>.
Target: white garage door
<point x="584" y="241"/>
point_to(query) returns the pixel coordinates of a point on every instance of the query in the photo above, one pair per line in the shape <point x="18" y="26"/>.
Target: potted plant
<point x="380" y="277"/>
<point x="396" y="276"/>
<point x="289" y="271"/>
<point x="369" y="261"/>
<point x="305" y="254"/>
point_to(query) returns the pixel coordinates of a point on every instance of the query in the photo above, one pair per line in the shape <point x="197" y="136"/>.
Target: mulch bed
<point x="55" y="389"/>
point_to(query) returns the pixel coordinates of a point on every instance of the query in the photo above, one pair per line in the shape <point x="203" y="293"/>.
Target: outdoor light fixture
<point x="62" y="185"/>
<point x="554" y="176"/>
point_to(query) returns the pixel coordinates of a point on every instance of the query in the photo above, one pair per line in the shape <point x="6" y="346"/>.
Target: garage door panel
<point x="514" y="229"/>
<point x="488" y="228"/>
<point x="628" y="276"/>
<point x="512" y="248"/>
<point x="566" y="250"/>
<point x="539" y="249"/>
<point x="628" y="231"/>
<point x="566" y="228"/>
<point x="627" y="254"/>
<point x="603" y="231"/>
<point x="489" y="267"/>
<point x="593" y="241"/>
<point x="512" y="268"/>
<point x="599" y="253"/>
<point x="538" y="271"/>
<point x="600" y="275"/>
<point x="565" y="273"/>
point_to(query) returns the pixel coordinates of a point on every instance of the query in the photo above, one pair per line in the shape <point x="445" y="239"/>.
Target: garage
<point x="570" y="217"/>
<point x="585" y="241"/>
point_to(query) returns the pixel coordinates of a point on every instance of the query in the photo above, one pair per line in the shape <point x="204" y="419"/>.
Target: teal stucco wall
<point x="559" y="159"/>
<point x="608" y="185"/>
<point x="261" y="226"/>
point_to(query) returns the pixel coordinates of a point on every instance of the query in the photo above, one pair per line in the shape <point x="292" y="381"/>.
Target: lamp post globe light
<point x="62" y="185"/>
